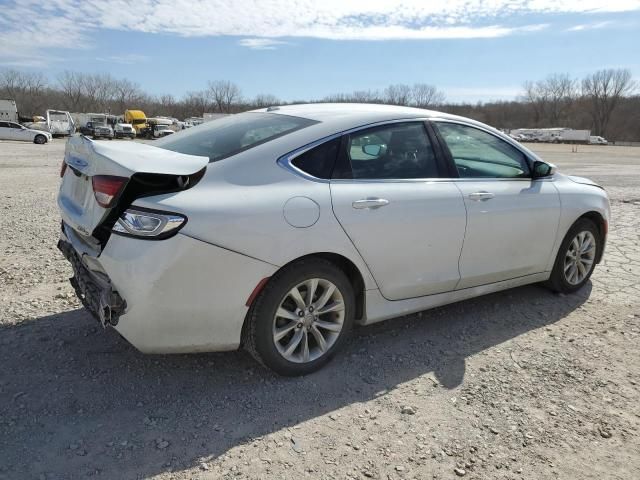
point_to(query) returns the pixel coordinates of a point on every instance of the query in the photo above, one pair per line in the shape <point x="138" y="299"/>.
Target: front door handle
<point x="370" y="203"/>
<point x="481" y="196"/>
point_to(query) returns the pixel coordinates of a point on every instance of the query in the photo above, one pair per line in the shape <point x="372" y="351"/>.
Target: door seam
<point x="464" y="237"/>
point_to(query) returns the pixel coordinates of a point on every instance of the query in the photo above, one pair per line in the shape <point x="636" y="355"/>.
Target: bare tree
<point x="425" y="96"/>
<point x="72" y="89"/>
<point x="399" y="94"/>
<point x="195" y="104"/>
<point x="100" y="91"/>
<point x="366" y="96"/>
<point x="126" y="94"/>
<point x="28" y="89"/>
<point x="562" y="92"/>
<point x="551" y="99"/>
<point x="224" y="94"/>
<point x="265" y="100"/>
<point x="604" y="89"/>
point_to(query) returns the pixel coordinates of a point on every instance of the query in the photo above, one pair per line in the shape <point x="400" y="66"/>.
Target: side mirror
<point x="373" y="150"/>
<point x="543" y="169"/>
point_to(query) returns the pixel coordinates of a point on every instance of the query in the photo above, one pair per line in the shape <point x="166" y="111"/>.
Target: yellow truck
<point x="138" y="119"/>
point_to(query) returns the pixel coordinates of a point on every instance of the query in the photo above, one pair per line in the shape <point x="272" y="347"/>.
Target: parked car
<point x="15" y="131"/>
<point x="124" y="130"/>
<point x="280" y="229"/>
<point x="97" y="130"/>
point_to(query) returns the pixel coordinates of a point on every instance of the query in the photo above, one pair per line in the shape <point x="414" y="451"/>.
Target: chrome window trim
<point x="285" y="160"/>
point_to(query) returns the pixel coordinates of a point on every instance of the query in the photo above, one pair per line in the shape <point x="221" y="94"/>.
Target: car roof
<point x="358" y="113"/>
<point x="334" y="118"/>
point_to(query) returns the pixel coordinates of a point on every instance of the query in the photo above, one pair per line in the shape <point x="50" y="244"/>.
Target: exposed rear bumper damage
<point x="93" y="289"/>
<point x="161" y="295"/>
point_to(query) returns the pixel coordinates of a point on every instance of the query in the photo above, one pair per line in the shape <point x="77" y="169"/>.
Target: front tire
<point x="576" y="257"/>
<point x="40" y="139"/>
<point x="301" y="318"/>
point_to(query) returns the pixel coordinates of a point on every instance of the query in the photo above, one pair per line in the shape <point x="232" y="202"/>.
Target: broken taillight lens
<point x="106" y="188"/>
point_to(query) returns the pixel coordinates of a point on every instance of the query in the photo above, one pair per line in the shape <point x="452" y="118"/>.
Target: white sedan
<point x="281" y="228"/>
<point x="15" y="131"/>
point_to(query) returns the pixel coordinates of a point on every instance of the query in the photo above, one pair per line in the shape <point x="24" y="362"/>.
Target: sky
<point x="472" y="50"/>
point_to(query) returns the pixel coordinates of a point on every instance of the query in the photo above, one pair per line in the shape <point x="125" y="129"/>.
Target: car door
<point x="17" y="132"/>
<point x="406" y="222"/>
<point x="512" y="219"/>
<point x="5" y="131"/>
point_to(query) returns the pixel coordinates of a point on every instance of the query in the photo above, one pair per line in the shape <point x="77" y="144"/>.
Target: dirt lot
<point x="522" y="384"/>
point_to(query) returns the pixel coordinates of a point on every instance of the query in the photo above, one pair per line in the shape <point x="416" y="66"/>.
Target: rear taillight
<point x="63" y="168"/>
<point x="106" y="189"/>
<point x="150" y="224"/>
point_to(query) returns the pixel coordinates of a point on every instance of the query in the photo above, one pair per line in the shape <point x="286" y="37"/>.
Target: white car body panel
<point x="252" y="214"/>
<point x="178" y="272"/>
<point x="498" y="240"/>
<point x="412" y="245"/>
<point x="251" y="221"/>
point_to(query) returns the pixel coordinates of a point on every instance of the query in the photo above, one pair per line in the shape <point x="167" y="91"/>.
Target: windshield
<point x="227" y="136"/>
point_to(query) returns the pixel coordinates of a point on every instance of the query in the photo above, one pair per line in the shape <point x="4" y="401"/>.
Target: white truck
<point x="158" y="127"/>
<point x="597" y="140"/>
<point x="552" y="135"/>
<point x="8" y="110"/>
<point x="60" y="123"/>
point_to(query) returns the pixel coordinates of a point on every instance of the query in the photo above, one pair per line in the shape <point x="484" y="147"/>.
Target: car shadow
<point x="75" y="400"/>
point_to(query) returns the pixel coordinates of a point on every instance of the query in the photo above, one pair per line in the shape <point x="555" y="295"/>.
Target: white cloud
<point x="125" y="59"/>
<point x="261" y="43"/>
<point x="589" y="26"/>
<point x="34" y="26"/>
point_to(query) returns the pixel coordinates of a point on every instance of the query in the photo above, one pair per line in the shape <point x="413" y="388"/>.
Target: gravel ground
<point x="522" y="384"/>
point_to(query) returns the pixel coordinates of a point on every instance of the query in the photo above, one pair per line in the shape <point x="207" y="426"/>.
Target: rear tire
<point x="40" y="139"/>
<point x="293" y="334"/>
<point x="576" y="257"/>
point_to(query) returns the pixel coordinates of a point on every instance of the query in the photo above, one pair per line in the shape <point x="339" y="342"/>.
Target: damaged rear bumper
<point x="93" y="288"/>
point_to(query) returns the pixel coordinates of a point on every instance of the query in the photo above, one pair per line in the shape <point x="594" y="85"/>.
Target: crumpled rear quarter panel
<point x="182" y="294"/>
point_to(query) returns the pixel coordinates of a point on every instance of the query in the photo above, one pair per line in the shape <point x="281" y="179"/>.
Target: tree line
<point x="607" y="101"/>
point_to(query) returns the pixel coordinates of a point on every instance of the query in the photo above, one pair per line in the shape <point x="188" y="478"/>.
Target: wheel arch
<point x="603" y="226"/>
<point x="343" y="263"/>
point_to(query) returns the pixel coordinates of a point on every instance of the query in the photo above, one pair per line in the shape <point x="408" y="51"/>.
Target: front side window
<point x="395" y="151"/>
<point x="227" y="136"/>
<point x="478" y="154"/>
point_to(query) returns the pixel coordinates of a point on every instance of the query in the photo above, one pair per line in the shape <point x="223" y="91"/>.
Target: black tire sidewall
<point x="40" y="139"/>
<point x="558" y="281"/>
<point x="263" y="312"/>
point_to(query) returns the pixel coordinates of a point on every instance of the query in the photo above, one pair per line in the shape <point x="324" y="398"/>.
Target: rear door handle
<point x="370" y="203"/>
<point x="481" y="196"/>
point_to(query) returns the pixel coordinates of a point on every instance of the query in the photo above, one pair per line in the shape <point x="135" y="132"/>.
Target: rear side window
<point x="319" y="161"/>
<point x="227" y="136"/>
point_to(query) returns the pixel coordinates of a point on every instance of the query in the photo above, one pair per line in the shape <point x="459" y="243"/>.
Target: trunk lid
<point x="86" y="159"/>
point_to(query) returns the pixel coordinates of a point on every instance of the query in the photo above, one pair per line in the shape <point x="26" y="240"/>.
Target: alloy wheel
<point x="308" y="320"/>
<point x="579" y="257"/>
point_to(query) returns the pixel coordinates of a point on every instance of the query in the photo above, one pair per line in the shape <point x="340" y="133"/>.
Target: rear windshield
<point x="226" y="136"/>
